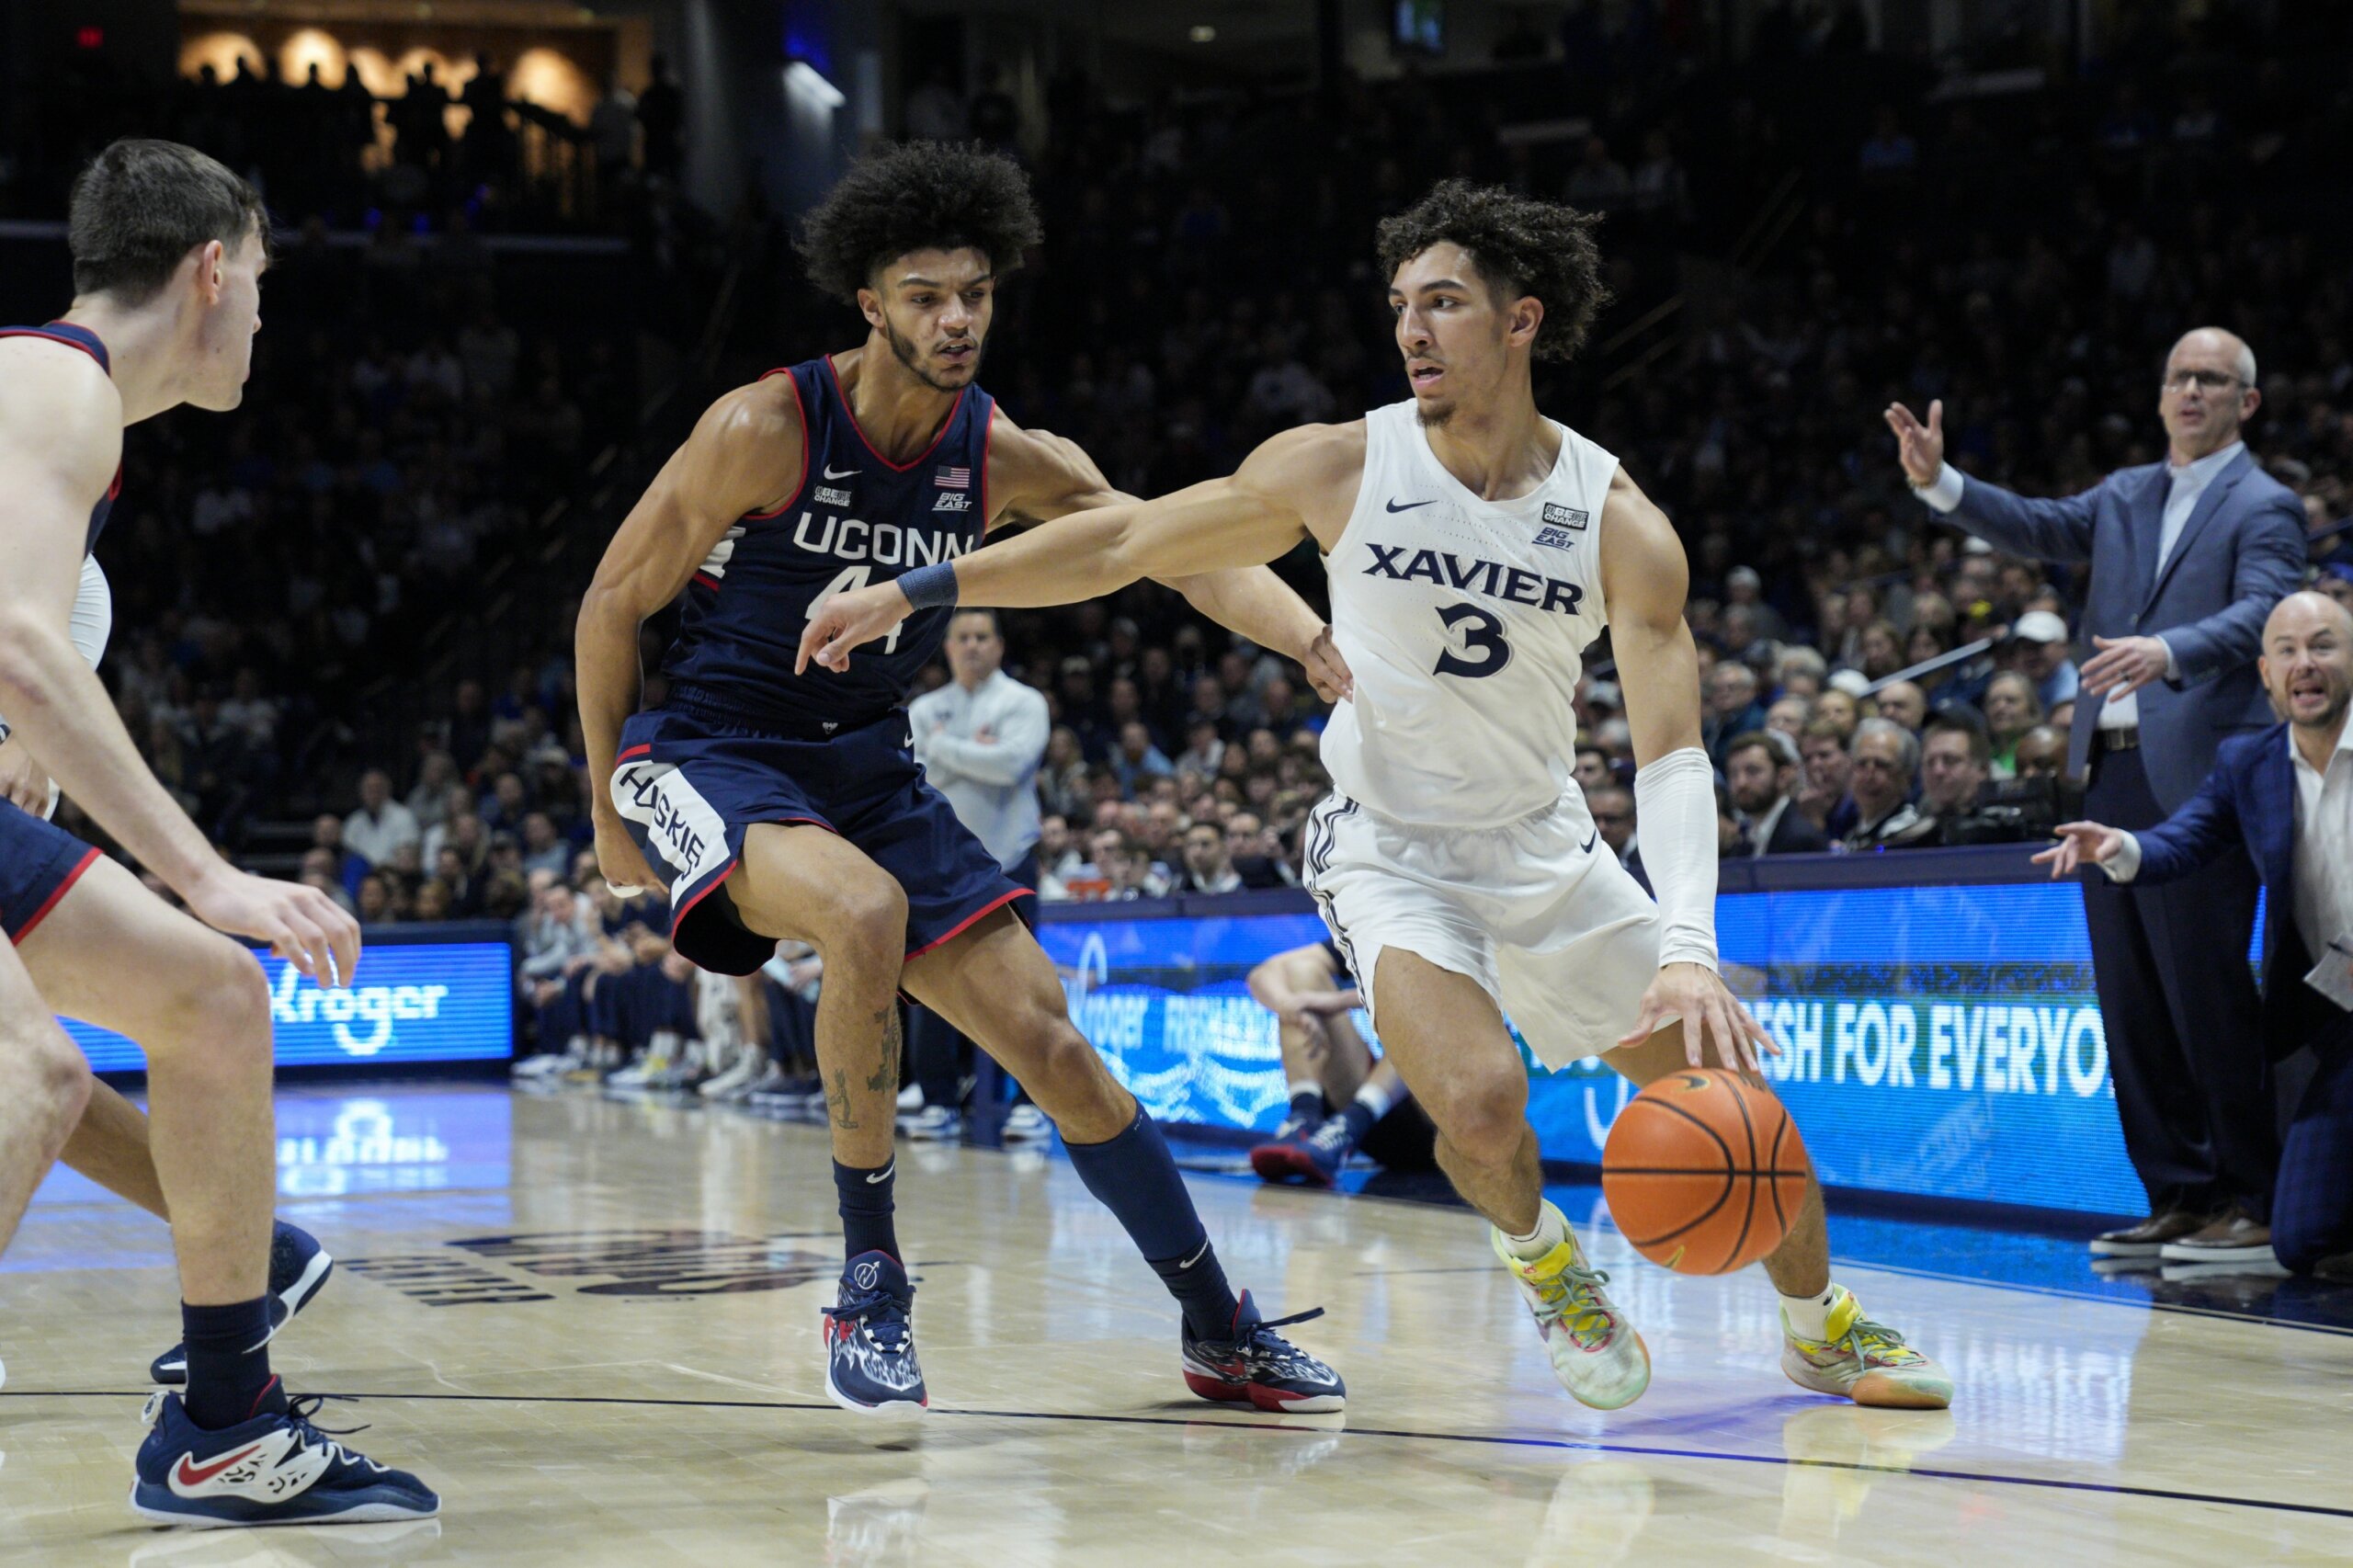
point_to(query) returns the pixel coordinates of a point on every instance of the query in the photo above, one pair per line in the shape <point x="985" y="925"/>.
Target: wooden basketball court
<point x="592" y="1324"/>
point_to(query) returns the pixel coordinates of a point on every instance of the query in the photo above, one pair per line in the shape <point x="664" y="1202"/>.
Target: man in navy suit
<point x="2284" y="796"/>
<point x="2188" y="556"/>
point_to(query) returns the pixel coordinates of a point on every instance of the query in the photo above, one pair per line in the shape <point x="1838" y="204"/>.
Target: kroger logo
<point x="372" y="1009"/>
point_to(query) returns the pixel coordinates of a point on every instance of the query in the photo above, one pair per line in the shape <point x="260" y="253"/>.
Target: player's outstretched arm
<point x="1247" y="519"/>
<point x="1644" y="579"/>
<point x="746" y="452"/>
<point x="1041" y="476"/>
<point x="61" y="440"/>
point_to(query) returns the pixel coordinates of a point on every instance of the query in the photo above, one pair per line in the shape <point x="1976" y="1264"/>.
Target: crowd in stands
<point x="1207" y="280"/>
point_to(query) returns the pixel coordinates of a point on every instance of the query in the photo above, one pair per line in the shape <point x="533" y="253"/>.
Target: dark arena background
<point x="577" y="1188"/>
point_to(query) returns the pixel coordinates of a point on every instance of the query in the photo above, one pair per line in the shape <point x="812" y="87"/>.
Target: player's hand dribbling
<point x="301" y="925"/>
<point x="842" y="623"/>
<point x="1326" y="671"/>
<point x="1699" y="995"/>
<point x="1920" y="448"/>
<point x="619" y="860"/>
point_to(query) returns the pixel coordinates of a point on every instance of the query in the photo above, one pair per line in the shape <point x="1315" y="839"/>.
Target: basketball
<point x="1704" y="1172"/>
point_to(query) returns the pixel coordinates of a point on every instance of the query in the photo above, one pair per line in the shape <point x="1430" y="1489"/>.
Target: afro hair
<point x="1520" y="246"/>
<point x="918" y="196"/>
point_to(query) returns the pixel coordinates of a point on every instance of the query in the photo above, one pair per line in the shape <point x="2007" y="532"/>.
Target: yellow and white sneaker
<point x="1596" y="1353"/>
<point x="1865" y="1361"/>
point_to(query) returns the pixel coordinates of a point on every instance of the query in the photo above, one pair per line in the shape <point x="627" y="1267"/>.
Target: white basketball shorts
<point x="1538" y="911"/>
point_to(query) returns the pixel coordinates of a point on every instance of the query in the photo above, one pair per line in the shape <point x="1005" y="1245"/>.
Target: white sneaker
<point x="1865" y="1361"/>
<point x="1596" y="1353"/>
<point x="1025" y="1123"/>
<point x="911" y="1099"/>
<point x="933" y="1124"/>
<point x="739" y="1075"/>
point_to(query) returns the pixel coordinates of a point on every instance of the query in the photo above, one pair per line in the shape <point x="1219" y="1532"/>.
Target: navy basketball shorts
<point x="38" y="861"/>
<point x="689" y="789"/>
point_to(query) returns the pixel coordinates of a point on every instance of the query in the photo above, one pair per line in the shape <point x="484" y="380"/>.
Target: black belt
<point x="2125" y="739"/>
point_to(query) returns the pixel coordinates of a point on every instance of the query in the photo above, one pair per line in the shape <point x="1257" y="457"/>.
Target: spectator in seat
<point x="1761" y="771"/>
<point x="1209" y="867"/>
<point x="1905" y="703"/>
<point x="2012" y="708"/>
<point x="1821" y="786"/>
<point x="1956" y="761"/>
<point x="2042" y="752"/>
<point x="2039" y="641"/>
<point x="1883" y="761"/>
<point x="1256" y="853"/>
<point x="380" y="824"/>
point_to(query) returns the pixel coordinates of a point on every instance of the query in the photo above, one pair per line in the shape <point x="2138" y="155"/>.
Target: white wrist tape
<point x="1675" y="810"/>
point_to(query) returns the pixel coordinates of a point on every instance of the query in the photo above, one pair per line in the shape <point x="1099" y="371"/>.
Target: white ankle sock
<point x="1549" y="1234"/>
<point x="1376" y="1099"/>
<point x="1809" y="1316"/>
<point x="1306" y="1086"/>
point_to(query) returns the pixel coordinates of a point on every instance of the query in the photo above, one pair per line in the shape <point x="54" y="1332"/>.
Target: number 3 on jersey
<point x="1484" y="652"/>
<point x="855" y="577"/>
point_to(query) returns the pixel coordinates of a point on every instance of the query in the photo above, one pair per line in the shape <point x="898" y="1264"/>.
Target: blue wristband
<point x="928" y="588"/>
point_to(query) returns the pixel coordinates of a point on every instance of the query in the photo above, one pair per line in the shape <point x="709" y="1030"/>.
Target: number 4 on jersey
<point x="855" y="577"/>
<point x="1482" y="640"/>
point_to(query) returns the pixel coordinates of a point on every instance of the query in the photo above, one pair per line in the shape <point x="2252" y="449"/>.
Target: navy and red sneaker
<point x="871" y="1363"/>
<point x="1261" y="1367"/>
<point x="276" y="1469"/>
<point x="297" y="1267"/>
<point x="1313" y="1155"/>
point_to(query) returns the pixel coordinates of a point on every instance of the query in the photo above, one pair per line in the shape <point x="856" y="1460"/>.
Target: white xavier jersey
<point x="1465" y="622"/>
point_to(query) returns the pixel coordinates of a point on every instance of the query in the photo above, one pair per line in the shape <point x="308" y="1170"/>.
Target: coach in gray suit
<point x="2187" y="557"/>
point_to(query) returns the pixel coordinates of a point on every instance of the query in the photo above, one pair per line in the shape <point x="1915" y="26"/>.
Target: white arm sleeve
<point x="1675" y="802"/>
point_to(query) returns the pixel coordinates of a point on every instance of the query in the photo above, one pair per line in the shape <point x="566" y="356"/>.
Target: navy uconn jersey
<point x="83" y="339"/>
<point x="857" y="518"/>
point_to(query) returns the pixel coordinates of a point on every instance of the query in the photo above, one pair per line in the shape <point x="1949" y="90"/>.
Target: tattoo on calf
<point x="837" y="1101"/>
<point x="886" y="1071"/>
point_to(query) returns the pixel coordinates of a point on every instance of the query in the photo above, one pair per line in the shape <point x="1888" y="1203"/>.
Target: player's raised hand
<point x="1699" y="995"/>
<point x="1921" y="447"/>
<point x="2080" y="842"/>
<point x="301" y="925"/>
<point x="619" y="861"/>
<point x="844" y="620"/>
<point x="1326" y="671"/>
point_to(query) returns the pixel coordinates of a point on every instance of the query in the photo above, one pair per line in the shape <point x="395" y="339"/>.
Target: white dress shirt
<point x="2323" y="910"/>
<point x="990" y="781"/>
<point x="2186" y="483"/>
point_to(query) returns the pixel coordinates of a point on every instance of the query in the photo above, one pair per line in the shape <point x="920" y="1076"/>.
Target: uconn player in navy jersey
<point x="1474" y="550"/>
<point x="777" y="804"/>
<point x="168" y="251"/>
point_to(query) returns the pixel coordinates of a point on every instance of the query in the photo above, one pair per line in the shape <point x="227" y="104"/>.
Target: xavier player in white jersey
<point x="1475" y="548"/>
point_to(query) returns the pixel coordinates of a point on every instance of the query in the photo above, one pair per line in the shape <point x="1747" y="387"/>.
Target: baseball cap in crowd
<point x="1854" y="683"/>
<point x="2339" y="569"/>
<point x="1743" y="577"/>
<point x="2039" y="626"/>
<point x="1972" y="545"/>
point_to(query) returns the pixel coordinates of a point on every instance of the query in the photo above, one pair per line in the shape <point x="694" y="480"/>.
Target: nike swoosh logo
<point x="188" y="1474"/>
<point x="883" y="1175"/>
<point x="1409" y="505"/>
<point x="1587" y="846"/>
<point x="1196" y="1257"/>
<point x="843" y="475"/>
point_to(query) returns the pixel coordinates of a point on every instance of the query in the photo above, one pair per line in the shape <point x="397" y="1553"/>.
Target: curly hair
<point x="918" y="196"/>
<point x="1520" y="246"/>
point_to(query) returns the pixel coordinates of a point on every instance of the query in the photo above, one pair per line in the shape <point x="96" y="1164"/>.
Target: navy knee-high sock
<point x="866" y="1204"/>
<point x="1134" y="1177"/>
<point x="229" y="1379"/>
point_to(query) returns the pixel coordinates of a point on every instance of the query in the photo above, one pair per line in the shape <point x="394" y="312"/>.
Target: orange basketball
<point x="1704" y="1172"/>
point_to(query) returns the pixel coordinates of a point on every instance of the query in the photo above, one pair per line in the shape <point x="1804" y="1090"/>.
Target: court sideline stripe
<point x="1475" y="1439"/>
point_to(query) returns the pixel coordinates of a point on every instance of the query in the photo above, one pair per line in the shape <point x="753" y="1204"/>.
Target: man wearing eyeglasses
<point x="2187" y="557"/>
